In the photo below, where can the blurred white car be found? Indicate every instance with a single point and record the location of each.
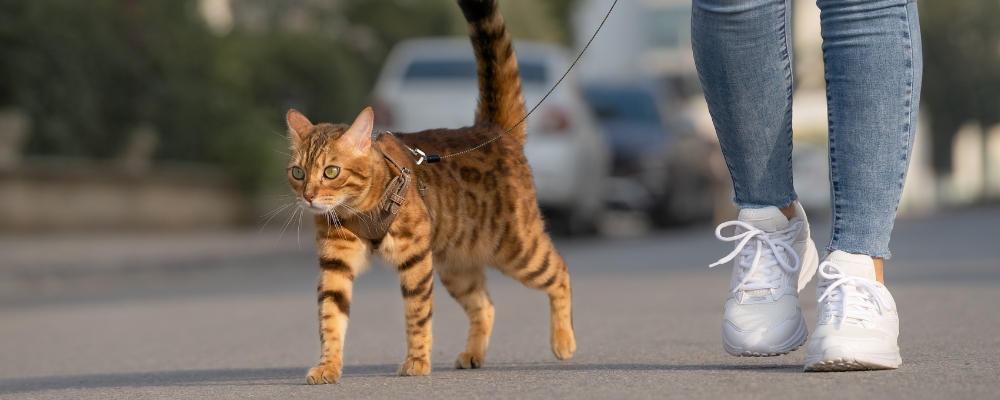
(431, 83)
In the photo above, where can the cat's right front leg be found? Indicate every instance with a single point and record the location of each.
(340, 259)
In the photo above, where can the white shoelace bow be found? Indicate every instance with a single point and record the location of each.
(776, 244)
(856, 298)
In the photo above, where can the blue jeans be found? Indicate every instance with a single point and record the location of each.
(873, 61)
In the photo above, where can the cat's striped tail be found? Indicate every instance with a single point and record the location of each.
(500, 100)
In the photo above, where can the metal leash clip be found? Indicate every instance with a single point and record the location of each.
(417, 152)
(430, 158)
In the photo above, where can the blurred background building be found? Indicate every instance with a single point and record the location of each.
(142, 114)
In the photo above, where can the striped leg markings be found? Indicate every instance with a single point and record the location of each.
(549, 273)
(468, 287)
(334, 297)
(560, 294)
(339, 260)
(416, 282)
(530, 277)
(413, 260)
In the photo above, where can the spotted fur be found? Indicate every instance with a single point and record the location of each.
(480, 211)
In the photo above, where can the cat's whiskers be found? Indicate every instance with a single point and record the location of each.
(287, 139)
(281, 152)
(355, 211)
(277, 210)
(351, 209)
(298, 232)
(329, 223)
(272, 214)
(288, 222)
(336, 222)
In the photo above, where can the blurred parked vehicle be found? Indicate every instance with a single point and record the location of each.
(431, 83)
(656, 170)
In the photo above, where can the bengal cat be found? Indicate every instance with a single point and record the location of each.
(478, 210)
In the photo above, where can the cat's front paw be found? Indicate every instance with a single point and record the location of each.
(468, 360)
(415, 367)
(563, 344)
(323, 374)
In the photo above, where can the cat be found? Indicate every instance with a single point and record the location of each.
(468, 212)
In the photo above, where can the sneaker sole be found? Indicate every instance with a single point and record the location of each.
(850, 364)
(799, 339)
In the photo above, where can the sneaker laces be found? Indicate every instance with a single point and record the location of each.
(764, 257)
(859, 299)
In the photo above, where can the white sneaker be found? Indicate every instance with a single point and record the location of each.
(775, 258)
(858, 324)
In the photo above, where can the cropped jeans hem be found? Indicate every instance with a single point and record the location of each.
(780, 204)
(883, 255)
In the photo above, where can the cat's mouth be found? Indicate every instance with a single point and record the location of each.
(318, 206)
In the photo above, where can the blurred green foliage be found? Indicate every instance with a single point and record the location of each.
(89, 72)
(961, 68)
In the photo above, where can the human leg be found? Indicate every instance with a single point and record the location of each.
(872, 53)
(743, 55)
(873, 64)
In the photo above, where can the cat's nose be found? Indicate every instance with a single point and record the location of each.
(309, 197)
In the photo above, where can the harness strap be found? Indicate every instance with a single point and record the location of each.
(375, 223)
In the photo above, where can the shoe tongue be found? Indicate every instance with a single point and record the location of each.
(768, 219)
(858, 265)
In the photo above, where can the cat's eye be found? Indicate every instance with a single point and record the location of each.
(331, 172)
(298, 173)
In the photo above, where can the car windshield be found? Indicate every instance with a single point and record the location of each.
(420, 70)
(618, 105)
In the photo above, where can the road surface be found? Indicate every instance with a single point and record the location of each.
(233, 315)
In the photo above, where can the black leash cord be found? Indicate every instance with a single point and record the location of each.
(433, 158)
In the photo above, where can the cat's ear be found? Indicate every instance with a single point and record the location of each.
(360, 133)
(298, 125)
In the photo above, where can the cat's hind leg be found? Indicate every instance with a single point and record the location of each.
(537, 265)
(468, 286)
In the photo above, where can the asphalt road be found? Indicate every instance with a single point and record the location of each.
(222, 315)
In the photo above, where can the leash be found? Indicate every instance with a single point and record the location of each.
(433, 158)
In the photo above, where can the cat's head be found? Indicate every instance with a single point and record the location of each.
(331, 163)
